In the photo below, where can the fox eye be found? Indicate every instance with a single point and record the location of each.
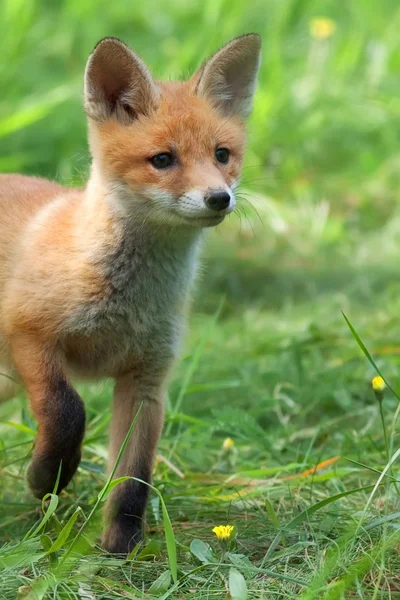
(222, 155)
(162, 161)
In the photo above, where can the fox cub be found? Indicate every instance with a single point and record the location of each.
(94, 281)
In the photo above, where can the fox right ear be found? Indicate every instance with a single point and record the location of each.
(117, 83)
(229, 77)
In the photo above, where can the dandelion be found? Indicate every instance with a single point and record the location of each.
(322, 28)
(223, 532)
(228, 443)
(378, 384)
(228, 454)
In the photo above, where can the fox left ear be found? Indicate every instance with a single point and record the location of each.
(229, 77)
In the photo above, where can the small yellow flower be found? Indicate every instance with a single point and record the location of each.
(322, 28)
(223, 532)
(228, 444)
(378, 384)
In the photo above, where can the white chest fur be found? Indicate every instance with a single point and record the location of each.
(140, 315)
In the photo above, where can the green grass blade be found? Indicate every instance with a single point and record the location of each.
(170, 540)
(48, 512)
(65, 532)
(103, 491)
(271, 513)
(382, 520)
(194, 363)
(378, 483)
(168, 531)
(20, 427)
(367, 354)
(305, 514)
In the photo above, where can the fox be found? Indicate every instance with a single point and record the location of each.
(95, 282)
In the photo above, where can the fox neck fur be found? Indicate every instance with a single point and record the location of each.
(116, 286)
(148, 270)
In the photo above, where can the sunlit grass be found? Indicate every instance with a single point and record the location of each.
(308, 488)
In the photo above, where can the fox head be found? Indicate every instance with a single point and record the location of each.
(171, 151)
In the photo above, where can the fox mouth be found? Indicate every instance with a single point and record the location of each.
(201, 218)
(205, 221)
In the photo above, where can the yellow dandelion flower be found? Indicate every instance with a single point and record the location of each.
(223, 532)
(322, 28)
(378, 384)
(228, 443)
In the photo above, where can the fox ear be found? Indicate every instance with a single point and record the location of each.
(229, 77)
(118, 83)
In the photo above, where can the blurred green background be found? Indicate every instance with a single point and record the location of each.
(279, 371)
(323, 152)
(322, 166)
(327, 113)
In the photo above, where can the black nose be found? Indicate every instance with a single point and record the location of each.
(217, 200)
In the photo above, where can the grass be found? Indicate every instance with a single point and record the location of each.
(269, 359)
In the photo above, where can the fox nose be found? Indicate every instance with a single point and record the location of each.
(217, 200)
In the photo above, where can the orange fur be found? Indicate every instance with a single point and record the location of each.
(94, 282)
(191, 126)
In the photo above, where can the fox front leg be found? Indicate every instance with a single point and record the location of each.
(127, 502)
(58, 409)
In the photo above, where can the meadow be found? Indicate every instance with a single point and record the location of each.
(272, 424)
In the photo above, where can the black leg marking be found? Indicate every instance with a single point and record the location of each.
(60, 440)
(126, 514)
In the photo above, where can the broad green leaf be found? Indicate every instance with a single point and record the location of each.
(201, 551)
(237, 585)
(239, 560)
(151, 550)
(161, 584)
(36, 591)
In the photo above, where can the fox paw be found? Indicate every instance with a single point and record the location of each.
(122, 535)
(43, 471)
